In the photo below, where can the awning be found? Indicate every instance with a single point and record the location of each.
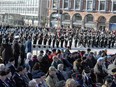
(90, 25)
(112, 26)
(54, 21)
(66, 22)
(77, 23)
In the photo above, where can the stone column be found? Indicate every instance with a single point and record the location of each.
(70, 23)
(48, 21)
(96, 25)
(107, 26)
(32, 20)
(83, 24)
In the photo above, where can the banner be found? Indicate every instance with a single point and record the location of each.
(112, 26)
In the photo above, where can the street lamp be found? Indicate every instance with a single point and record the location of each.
(39, 13)
(58, 11)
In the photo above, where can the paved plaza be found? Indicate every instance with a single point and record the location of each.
(109, 51)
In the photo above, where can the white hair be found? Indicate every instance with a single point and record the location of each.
(32, 83)
(29, 56)
(2, 66)
(59, 66)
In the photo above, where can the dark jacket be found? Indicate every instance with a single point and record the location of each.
(19, 80)
(2, 84)
(10, 82)
(6, 53)
(12, 68)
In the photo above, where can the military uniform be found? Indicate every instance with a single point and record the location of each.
(45, 40)
(49, 40)
(40, 40)
(54, 41)
(76, 40)
(66, 40)
(62, 40)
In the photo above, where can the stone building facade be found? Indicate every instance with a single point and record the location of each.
(95, 14)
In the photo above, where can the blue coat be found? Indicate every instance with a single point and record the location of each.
(28, 46)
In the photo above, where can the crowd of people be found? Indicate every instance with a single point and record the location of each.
(55, 68)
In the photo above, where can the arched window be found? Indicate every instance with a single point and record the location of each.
(77, 17)
(112, 24)
(113, 19)
(101, 19)
(88, 18)
(65, 17)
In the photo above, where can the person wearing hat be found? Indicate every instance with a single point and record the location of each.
(49, 40)
(16, 52)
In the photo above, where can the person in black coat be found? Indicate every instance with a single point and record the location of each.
(76, 40)
(11, 66)
(45, 62)
(45, 40)
(2, 79)
(9, 81)
(54, 41)
(113, 40)
(7, 52)
(0, 39)
(18, 78)
(49, 40)
(40, 40)
(22, 53)
(16, 52)
(35, 40)
(57, 42)
(66, 40)
(70, 41)
(62, 40)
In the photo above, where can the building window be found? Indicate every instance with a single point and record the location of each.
(77, 17)
(71, 4)
(89, 18)
(66, 4)
(55, 4)
(102, 5)
(77, 4)
(89, 5)
(114, 6)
